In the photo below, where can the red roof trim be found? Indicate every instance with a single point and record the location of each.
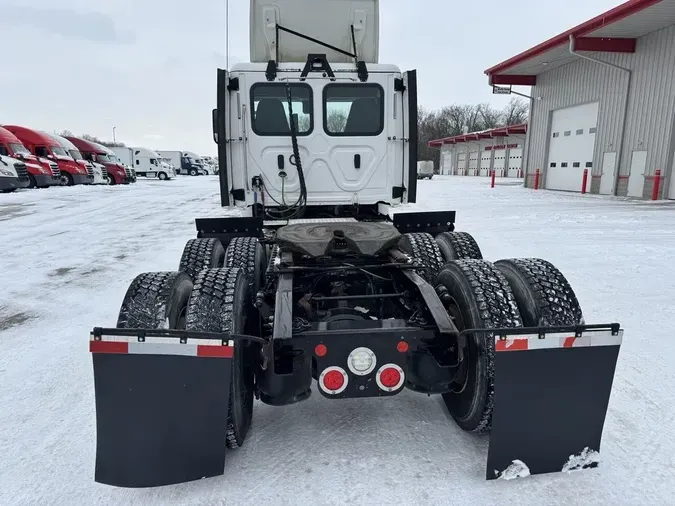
(488, 134)
(605, 44)
(611, 16)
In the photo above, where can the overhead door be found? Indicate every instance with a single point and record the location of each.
(473, 163)
(461, 164)
(571, 148)
(446, 162)
(499, 162)
(485, 162)
(515, 162)
(671, 189)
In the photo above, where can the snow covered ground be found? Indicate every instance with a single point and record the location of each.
(68, 255)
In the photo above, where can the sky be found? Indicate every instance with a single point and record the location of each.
(148, 67)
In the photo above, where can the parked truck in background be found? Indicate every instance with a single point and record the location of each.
(96, 169)
(173, 158)
(97, 153)
(44, 146)
(425, 169)
(42, 172)
(13, 174)
(191, 163)
(145, 162)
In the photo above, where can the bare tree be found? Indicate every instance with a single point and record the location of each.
(336, 121)
(516, 111)
(109, 144)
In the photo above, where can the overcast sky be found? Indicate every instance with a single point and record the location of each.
(147, 67)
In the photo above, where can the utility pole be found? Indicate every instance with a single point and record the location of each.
(114, 140)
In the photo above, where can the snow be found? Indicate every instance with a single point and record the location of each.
(586, 458)
(69, 254)
(517, 469)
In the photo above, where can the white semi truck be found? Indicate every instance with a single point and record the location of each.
(145, 162)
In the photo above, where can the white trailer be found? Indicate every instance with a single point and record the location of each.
(146, 163)
(425, 169)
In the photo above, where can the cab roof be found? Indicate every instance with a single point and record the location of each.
(86, 146)
(32, 136)
(7, 136)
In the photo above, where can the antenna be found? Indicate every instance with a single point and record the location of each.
(227, 35)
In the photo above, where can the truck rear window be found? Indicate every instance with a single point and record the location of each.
(351, 109)
(269, 112)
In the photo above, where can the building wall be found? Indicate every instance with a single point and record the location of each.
(649, 112)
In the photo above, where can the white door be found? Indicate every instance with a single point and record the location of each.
(446, 162)
(485, 162)
(636, 179)
(515, 162)
(608, 173)
(473, 163)
(499, 161)
(572, 145)
(461, 164)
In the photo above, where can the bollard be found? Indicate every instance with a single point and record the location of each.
(492, 182)
(536, 179)
(657, 183)
(584, 180)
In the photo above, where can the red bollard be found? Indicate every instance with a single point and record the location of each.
(536, 179)
(657, 183)
(492, 182)
(584, 180)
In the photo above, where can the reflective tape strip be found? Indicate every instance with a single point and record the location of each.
(161, 346)
(558, 340)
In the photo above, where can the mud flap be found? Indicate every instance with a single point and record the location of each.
(161, 407)
(550, 400)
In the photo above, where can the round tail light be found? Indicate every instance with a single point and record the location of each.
(333, 380)
(390, 377)
(361, 361)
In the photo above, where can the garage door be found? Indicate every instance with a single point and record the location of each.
(571, 148)
(446, 162)
(500, 162)
(485, 159)
(671, 190)
(473, 163)
(461, 164)
(515, 162)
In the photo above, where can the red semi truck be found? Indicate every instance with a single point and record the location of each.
(44, 146)
(117, 173)
(41, 171)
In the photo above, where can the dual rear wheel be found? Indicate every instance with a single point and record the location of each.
(210, 292)
(479, 294)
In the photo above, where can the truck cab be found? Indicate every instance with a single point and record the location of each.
(13, 174)
(145, 162)
(44, 146)
(191, 163)
(314, 118)
(97, 170)
(42, 172)
(94, 152)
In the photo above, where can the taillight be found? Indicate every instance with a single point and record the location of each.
(333, 380)
(390, 377)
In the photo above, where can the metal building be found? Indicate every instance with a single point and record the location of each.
(603, 99)
(477, 153)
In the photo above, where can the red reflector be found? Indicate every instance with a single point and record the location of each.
(108, 347)
(215, 351)
(402, 346)
(320, 350)
(390, 377)
(333, 380)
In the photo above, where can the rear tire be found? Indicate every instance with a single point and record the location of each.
(477, 296)
(156, 300)
(199, 254)
(544, 296)
(458, 246)
(249, 254)
(422, 246)
(220, 302)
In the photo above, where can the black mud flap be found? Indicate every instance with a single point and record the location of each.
(161, 407)
(550, 399)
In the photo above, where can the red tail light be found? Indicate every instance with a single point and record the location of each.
(390, 377)
(333, 380)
